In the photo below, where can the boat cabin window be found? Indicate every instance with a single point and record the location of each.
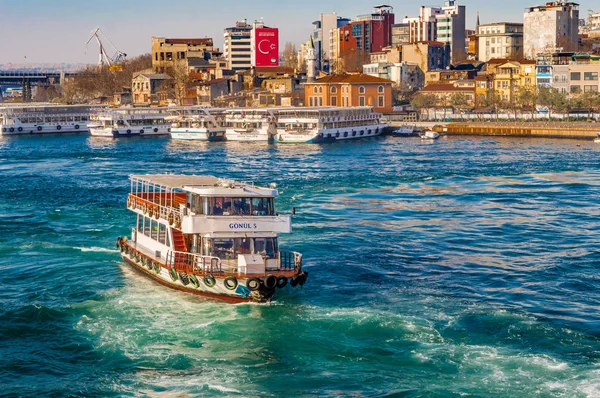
(230, 248)
(153, 229)
(239, 206)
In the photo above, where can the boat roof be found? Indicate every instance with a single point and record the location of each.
(178, 181)
(206, 185)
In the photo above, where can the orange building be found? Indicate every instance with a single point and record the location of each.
(347, 90)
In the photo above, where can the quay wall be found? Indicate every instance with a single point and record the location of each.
(563, 130)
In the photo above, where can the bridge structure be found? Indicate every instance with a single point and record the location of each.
(16, 77)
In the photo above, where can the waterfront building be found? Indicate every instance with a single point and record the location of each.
(450, 27)
(551, 27)
(552, 70)
(322, 39)
(508, 75)
(583, 74)
(446, 24)
(429, 55)
(406, 77)
(362, 36)
(151, 89)
(445, 91)
(400, 34)
(594, 22)
(169, 53)
(348, 90)
(500, 40)
(237, 49)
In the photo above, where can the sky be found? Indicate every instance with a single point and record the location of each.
(55, 31)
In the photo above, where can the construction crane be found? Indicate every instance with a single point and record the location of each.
(103, 58)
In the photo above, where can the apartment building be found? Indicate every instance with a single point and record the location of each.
(550, 27)
(237, 49)
(500, 40)
(167, 53)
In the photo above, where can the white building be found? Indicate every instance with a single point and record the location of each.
(237, 49)
(551, 27)
(322, 40)
(446, 24)
(500, 40)
(451, 29)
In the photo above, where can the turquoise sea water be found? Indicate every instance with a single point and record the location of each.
(464, 267)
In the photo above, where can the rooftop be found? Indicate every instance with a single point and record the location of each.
(437, 87)
(207, 41)
(352, 78)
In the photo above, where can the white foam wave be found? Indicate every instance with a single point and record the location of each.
(222, 388)
(97, 249)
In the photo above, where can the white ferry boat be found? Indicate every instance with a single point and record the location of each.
(251, 124)
(128, 122)
(327, 124)
(207, 124)
(43, 119)
(210, 237)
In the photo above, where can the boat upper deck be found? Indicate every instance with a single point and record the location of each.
(202, 185)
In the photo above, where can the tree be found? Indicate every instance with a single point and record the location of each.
(290, 56)
(590, 100)
(458, 100)
(493, 100)
(90, 83)
(181, 79)
(422, 101)
(352, 60)
(526, 97)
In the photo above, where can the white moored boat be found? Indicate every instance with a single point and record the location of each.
(204, 124)
(251, 124)
(430, 135)
(597, 139)
(209, 236)
(327, 124)
(128, 122)
(43, 119)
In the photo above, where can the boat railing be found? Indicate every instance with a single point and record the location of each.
(192, 263)
(157, 210)
(290, 260)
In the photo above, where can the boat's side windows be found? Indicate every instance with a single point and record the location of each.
(162, 234)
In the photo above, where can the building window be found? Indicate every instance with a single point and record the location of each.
(320, 101)
(575, 75)
(590, 76)
(333, 90)
(333, 101)
(361, 101)
(575, 89)
(320, 89)
(357, 30)
(380, 101)
(380, 89)
(315, 90)
(590, 89)
(361, 90)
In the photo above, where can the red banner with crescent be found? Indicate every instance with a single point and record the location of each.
(266, 46)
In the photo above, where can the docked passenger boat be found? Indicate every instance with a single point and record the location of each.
(210, 237)
(404, 131)
(205, 124)
(249, 124)
(128, 122)
(327, 124)
(43, 119)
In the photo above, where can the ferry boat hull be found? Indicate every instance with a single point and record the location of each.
(232, 135)
(150, 130)
(239, 294)
(197, 135)
(58, 128)
(331, 135)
